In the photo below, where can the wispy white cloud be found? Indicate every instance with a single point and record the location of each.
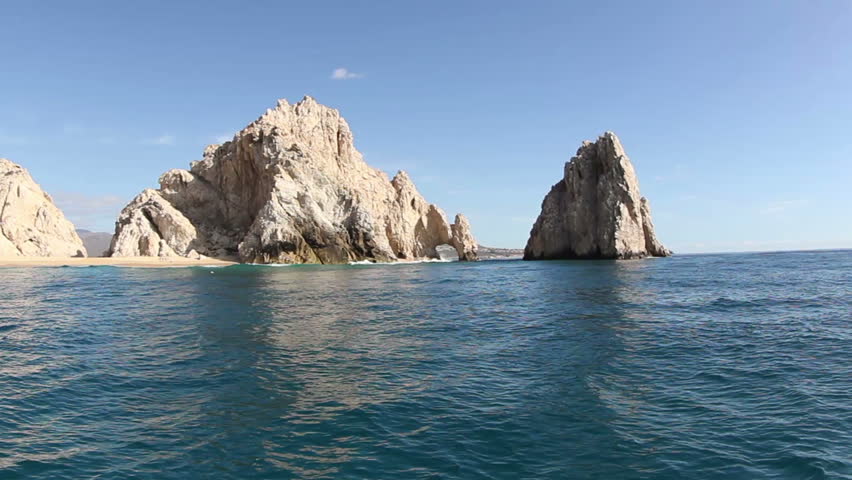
(225, 137)
(79, 201)
(759, 245)
(6, 139)
(90, 134)
(93, 212)
(677, 173)
(345, 74)
(774, 208)
(430, 179)
(72, 129)
(164, 139)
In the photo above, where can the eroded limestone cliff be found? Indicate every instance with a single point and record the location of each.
(289, 188)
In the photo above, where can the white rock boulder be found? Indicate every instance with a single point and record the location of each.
(30, 224)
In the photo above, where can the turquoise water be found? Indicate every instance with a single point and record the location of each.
(709, 366)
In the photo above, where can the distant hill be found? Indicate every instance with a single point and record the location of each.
(97, 243)
(485, 253)
(491, 253)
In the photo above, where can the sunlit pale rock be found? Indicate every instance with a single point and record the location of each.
(30, 224)
(463, 240)
(289, 188)
(596, 210)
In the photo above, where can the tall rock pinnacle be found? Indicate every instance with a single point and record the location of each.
(596, 210)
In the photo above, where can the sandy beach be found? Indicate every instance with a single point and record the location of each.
(145, 262)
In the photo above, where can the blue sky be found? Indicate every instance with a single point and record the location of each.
(737, 115)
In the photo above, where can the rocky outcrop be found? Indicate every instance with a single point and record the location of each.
(151, 227)
(289, 188)
(462, 239)
(596, 210)
(30, 224)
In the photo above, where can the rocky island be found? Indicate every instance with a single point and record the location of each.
(288, 188)
(595, 210)
(30, 224)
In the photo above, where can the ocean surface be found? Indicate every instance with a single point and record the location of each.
(735, 366)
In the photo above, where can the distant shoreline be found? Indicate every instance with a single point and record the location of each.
(794, 250)
(166, 262)
(143, 262)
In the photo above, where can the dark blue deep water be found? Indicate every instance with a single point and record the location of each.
(731, 366)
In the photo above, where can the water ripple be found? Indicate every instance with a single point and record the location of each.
(714, 366)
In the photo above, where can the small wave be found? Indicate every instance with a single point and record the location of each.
(402, 262)
(425, 260)
(363, 262)
(726, 302)
(134, 267)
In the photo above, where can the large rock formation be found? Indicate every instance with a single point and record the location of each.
(289, 188)
(596, 210)
(30, 224)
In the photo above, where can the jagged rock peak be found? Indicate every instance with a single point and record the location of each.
(289, 188)
(595, 210)
(30, 224)
(278, 115)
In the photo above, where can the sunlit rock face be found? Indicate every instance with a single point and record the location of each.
(595, 210)
(289, 188)
(30, 224)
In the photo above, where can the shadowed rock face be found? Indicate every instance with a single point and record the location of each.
(30, 224)
(596, 210)
(289, 188)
